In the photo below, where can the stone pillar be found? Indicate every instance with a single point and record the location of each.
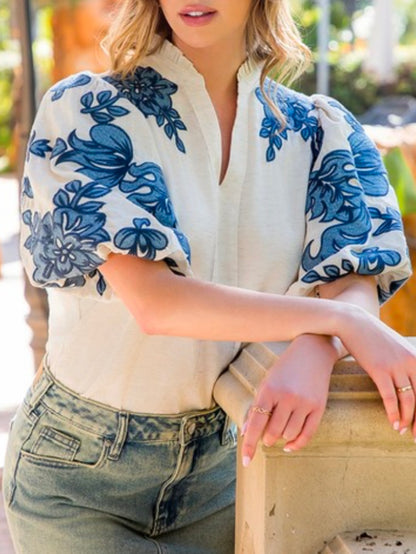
(356, 473)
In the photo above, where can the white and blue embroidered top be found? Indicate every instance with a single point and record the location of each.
(132, 166)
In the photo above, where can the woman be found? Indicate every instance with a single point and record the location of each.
(185, 151)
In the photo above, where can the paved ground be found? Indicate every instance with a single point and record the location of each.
(16, 365)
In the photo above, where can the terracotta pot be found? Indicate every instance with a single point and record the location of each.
(400, 312)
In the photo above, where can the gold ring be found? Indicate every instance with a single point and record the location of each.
(262, 411)
(404, 389)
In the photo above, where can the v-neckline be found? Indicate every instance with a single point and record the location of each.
(180, 69)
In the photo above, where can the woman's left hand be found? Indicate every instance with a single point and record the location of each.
(295, 392)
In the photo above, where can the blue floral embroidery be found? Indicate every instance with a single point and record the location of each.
(141, 239)
(370, 169)
(63, 242)
(316, 145)
(71, 82)
(392, 220)
(148, 189)
(336, 197)
(105, 158)
(27, 188)
(331, 272)
(296, 109)
(372, 261)
(332, 197)
(37, 147)
(60, 146)
(57, 251)
(394, 286)
(151, 94)
(105, 109)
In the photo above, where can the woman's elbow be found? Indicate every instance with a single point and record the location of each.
(153, 320)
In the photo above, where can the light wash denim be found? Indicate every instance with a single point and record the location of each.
(83, 478)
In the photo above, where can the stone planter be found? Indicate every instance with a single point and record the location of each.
(355, 474)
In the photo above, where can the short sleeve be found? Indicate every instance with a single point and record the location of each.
(89, 190)
(353, 223)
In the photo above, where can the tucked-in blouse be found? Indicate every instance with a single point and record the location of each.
(133, 167)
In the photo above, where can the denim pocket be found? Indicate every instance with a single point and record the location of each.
(59, 442)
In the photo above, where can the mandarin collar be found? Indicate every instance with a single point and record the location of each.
(171, 58)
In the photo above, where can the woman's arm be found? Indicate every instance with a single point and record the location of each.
(296, 386)
(164, 303)
(167, 304)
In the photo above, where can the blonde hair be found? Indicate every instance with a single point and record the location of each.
(139, 28)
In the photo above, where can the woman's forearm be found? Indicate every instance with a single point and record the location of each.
(359, 290)
(166, 304)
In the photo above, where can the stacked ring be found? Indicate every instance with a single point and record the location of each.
(260, 410)
(404, 389)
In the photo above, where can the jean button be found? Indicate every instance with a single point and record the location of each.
(191, 428)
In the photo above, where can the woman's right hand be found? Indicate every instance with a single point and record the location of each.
(388, 358)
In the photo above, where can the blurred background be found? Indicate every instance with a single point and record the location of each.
(364, 55)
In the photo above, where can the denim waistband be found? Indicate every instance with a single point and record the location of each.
(109, 422)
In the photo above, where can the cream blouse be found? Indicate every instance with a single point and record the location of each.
(132, 166)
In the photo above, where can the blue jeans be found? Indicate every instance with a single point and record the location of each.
(81, 477)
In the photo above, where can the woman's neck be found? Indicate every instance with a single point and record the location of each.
(218, 64)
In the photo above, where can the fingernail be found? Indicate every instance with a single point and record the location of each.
(286, 449)
(403, 431)
(244, 428)
(396, 425)
(246, 461)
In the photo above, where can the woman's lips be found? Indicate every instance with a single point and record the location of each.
(195, 17)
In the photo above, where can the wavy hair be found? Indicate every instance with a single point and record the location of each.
(139, 28)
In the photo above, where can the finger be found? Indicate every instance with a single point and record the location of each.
(413, 383)
(309, 429)
(295, 425)
(276, 424)
(407, 404)
(256, 424)
(388, 394)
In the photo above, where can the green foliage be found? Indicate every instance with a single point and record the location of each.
(5, 108)
(406, 11)
(355, 88)
(402, 180)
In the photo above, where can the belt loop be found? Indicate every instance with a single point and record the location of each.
(120, 438)
(227, 433)
(39, 389)
(182, 431)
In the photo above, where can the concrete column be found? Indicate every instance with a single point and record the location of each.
(356, 473)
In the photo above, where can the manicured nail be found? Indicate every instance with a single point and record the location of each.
(244, 428)
(403, 431)
(286, 449)
(396, 425)
(246, 461)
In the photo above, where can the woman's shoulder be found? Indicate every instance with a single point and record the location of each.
(83, 81)
(94, 96)
(289, 101)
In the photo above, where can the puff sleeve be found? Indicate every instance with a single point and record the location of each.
(89, 190)
(353, 223)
